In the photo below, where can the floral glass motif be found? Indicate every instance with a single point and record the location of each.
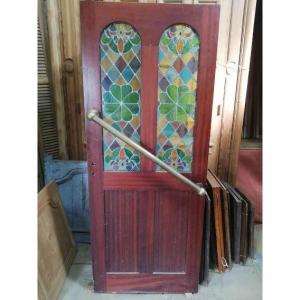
(177, 83)
(120, 83)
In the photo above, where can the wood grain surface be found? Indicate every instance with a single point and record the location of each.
(147, 227)
(56, 247)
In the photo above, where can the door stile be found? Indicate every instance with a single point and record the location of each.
(206, 75)
(92, 96)
(148, 93)
(195, 233)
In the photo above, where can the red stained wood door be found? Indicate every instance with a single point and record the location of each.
(146, 226)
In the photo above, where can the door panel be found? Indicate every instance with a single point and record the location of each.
(121, 231)
(171, 212)
(146, 226)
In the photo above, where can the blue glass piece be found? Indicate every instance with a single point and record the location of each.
(185, 75)
(113, 74)
(168, 130)
(171, 75)
(128, 74)
(106, 83)
(135, 64)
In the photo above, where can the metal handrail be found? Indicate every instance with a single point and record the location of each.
(93, 116)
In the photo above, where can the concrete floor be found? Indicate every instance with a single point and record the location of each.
(241, 283)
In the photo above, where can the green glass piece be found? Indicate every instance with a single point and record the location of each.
(105, 39)
(116, 91)
(107, 159)
(108, 98)
(136, 40)
(116, 116)
(177, 103)
(132, 98)
(136, 158)
(126, 114)
(172, 92)
(115, 153)
(186, 99)
(134, 108)
(188, 159)
(183, 89)
(127, 47)
(110, 108)
(128, 152)
(181, 115)
(164, 98)
(165, 108)
(113, 46)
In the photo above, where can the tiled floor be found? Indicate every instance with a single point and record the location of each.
(241, 283)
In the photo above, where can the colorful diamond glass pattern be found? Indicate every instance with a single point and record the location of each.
(177, 82)
(120, 85)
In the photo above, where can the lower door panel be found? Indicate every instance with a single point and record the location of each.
(148, 240)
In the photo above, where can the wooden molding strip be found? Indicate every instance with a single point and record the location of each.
(56, 75)
(242, 84)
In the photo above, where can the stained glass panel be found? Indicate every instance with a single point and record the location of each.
(120, 83)
(177, 82)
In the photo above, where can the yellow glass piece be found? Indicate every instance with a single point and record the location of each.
(135, 121)
(105, 63)
(192, 84)
(179, 45)
(168, 60)
(161, 139)
(181, 145)
(175, 139)
(189, 122)
(135, 83)
(187, 57)
(128, 56)
(164, 66)
(113, 56)
(177, 81)
(120, 80)
(162, 122)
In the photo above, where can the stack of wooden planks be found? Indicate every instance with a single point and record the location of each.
(228, 236)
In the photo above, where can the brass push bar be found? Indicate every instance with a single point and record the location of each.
(93, 116)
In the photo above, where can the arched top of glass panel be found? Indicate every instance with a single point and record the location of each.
(120, 38)
(177, 84)
(180, 39)
(120, 64)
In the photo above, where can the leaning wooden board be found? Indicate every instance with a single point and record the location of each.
(235, 223)
(250, 225)
(244, 224)
(226, 221)
(218, 220)
(56, 247)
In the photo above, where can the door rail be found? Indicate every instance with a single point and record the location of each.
(197, 187)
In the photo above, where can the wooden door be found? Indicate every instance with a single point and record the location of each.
(149, 70)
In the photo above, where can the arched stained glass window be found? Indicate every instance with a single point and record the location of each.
(120, 64)
(177, 82)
